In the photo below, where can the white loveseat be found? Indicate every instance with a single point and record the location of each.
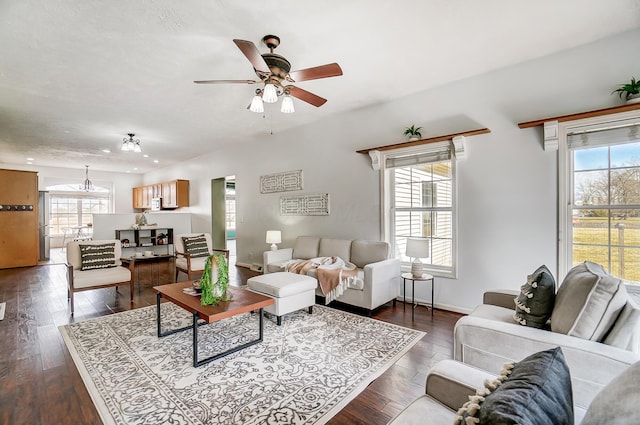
(490, 336)
(380, 274)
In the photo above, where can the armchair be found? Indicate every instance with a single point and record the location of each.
(110, 272)
(189, 263)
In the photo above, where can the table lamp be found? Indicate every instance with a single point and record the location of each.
(417, 248)
(274, 237)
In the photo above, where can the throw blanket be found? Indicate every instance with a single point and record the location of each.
(334, 274)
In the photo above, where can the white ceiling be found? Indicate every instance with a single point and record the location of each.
(77, 76)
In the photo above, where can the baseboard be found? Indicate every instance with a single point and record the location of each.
(448, 307)
(256, 267)
(245, 265)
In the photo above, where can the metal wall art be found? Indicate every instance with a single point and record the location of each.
(281, 182)
(311, 204)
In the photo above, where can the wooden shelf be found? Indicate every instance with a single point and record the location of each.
(582, 115)
(426, 141)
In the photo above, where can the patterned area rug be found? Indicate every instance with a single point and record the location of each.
(304, 372)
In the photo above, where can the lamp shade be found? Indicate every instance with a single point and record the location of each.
(274, 236)
(417, 248)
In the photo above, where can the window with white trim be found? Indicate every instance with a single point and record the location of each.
(69, 207)
(420, 202)
(600, 184)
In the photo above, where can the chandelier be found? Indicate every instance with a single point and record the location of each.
(87, 186)
(131, 145)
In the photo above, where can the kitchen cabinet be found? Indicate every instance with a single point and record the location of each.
(137, 197)
(175, 194)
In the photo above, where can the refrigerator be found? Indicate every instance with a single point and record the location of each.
(43, 226)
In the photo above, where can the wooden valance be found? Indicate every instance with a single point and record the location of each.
(425, 141)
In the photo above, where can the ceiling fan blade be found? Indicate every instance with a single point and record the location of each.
(306, 96)
(225, 81)
(323, 71)
(251, 52)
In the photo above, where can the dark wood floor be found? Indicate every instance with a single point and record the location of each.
(39, 383)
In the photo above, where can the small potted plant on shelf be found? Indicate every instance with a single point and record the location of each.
(413, 132)
(630, 91)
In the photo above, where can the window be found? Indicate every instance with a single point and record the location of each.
(420, 203)
(68, 207)
(601, 175)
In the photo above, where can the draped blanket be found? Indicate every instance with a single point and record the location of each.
(334, 274)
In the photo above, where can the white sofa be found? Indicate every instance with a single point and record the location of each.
(593, 321)
(380, 274)
(489, 336)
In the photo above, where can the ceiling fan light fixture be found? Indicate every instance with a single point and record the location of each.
(256, 104)
(287, 105)
(137, 148)
(270, 94)
(125, 146)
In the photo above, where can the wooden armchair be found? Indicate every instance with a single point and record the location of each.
(188, 263)
(113, 274)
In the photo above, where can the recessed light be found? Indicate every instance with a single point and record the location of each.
(29, 162)
(30, 159)
(106, 151)
(135, 169)
(156, 161)
(128, 171)
(145, 155)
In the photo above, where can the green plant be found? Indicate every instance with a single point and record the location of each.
(628, 89)
(413, 131)
(214, 292)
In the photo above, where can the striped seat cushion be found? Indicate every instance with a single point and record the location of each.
(97, 256)
(196, 246)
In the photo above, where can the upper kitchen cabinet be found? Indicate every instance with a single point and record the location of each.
(175, 194)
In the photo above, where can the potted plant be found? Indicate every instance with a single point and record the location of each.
(630, 91)
(413, 132)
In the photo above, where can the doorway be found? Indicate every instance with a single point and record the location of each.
(223, 216)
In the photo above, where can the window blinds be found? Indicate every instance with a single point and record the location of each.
(435, 152)
(624, 132)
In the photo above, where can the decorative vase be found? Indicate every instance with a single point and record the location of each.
(413, 138)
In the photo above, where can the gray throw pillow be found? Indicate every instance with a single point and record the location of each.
(588, 302)
(535, 303)
(534, 391)
(617, 403)
(100, 256)
(196, 246)
(625, 333)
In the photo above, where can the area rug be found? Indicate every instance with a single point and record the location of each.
(304, 372)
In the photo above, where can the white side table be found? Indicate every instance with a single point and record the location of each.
(423, 278)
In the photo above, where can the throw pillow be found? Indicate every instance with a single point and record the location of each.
(97, 256)
(625, 333)
(534, 391)
(534, 305)
(196, 246)
(588, 302)
(617, 403)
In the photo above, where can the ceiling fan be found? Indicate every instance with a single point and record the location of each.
(274, 71)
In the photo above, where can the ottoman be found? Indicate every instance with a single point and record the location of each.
(290, 291)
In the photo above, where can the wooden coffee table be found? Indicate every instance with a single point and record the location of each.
(242, 301)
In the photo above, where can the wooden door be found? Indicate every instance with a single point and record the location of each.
(19, 235)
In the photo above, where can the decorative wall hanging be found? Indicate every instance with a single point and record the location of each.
(281, 182)
(311, 204)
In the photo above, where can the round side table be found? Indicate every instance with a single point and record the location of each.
(408, 276)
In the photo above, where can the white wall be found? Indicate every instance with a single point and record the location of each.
(507, 186)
